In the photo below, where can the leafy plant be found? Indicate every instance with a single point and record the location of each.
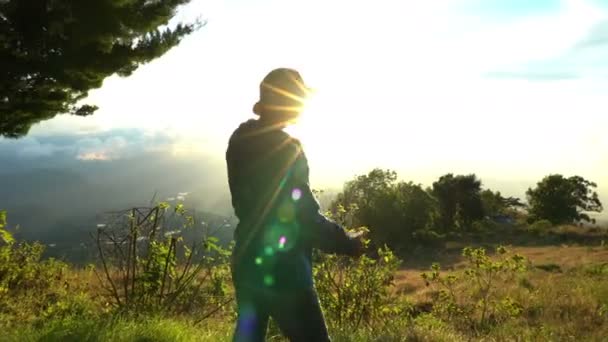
(28, 283)
(357, 291)
(148, 267)
(540, 226)
(479, 280)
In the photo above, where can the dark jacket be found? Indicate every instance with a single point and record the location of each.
(279, 218)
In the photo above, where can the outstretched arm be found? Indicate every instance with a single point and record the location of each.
(322, 232)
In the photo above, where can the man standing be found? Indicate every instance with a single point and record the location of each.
(279, 219)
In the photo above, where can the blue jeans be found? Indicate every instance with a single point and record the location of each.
(297, 314)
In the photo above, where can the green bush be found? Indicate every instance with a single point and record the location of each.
(357, 291)
(29, 285)
(471, 300)
(429, 238)
(484, 226)
(161, 274)
(540, 226)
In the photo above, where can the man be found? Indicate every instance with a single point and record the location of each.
(279, 219)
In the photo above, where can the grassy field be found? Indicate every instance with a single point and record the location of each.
(560, 295)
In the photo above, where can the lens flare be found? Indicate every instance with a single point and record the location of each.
(282, 242)
(296, 194)
(268, 280)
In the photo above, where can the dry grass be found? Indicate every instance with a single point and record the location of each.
(564, 293)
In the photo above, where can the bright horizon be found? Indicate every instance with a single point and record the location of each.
(504, 89)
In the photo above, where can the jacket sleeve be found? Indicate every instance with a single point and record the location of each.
(321, 232)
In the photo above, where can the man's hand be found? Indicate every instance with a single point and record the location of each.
(359, 242)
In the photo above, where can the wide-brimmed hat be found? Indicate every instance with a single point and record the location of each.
(282, 91)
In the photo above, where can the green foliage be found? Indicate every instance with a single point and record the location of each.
(160, 274)
(428, 237)
(150, 329)
(392, 210)
(77, 305)
(485, 225)
(30, 287)
(540, 226)
(563, 200)
(22, 269)
(480, 279)
(357, 292)
(494, 204)
(5, 236)
(597, 270)
(459, 199)
(54, 52)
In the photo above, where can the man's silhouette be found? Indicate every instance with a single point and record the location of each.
(279, 219)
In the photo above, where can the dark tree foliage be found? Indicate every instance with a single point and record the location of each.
(563, 200)
(495, 204)
(393, 211)
(52, 52)
(459, 199)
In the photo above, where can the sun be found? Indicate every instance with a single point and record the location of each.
(331, 129)
(318, 121)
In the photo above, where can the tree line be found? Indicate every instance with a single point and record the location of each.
(400, 212)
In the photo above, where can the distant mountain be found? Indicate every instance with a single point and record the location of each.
(58, 200)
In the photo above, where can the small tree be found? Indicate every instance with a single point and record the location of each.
(392, 210)
(563, 200)
(495, 204)
(472, 299)
(459, 200)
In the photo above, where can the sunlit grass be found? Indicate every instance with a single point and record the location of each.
(78, 329)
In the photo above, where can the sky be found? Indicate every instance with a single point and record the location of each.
(511, 90)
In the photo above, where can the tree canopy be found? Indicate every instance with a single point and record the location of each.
(563, 200)
(52, 52)
(393, 211)
(494, 204)
(459, 200)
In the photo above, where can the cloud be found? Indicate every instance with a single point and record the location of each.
(115, 147)
(93, 156)
(100, 146)
(534, 75)
(511, 9)
(597, 38)
(31, 148)
(584, 59)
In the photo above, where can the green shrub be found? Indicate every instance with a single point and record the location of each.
(161, 274)
(471, 299)
(429, 238)
(77, 305)
(597, 270)
(541, 226)
(357, 291)
(29, 284)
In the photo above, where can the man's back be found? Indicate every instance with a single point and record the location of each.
(260, 162)
(266, 167)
